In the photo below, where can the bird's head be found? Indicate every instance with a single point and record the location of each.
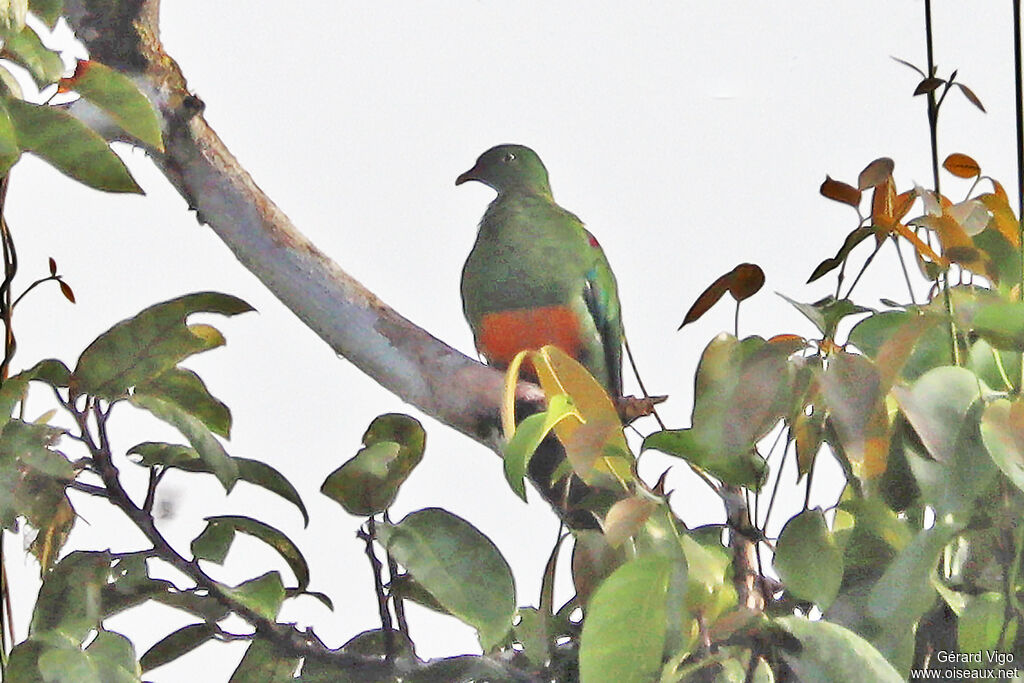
(509, 167)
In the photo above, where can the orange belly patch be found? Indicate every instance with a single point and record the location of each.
(504, 334)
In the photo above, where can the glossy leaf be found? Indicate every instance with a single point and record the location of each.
(834, 654)
(269, 535)
(827, 313)
(936, 406)
(119, 97)
(255, 472)
(70, 146)
(152, 342)
(174, 645)
(459, 566)
(839, 191)
(10, 151)
(368, 483)
(263, 595)
(527, 438)
(624, 632)
(962, 166)
(594, 443)
(808, 559)
(185, 389)
(25, 48)
(202, 439)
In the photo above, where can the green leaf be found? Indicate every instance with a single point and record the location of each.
(808, 559)
(149, 344)
(184, 388)
(181, 642)
(51, 371)
(263, 475)
(67, 600)
(120, 98)
(624, 632)
(12, 17)
(213, 543)
(1002, 431)
(833, 654)
(43, 64)
(528, 436)
(68, 665)
(981, 624)
(368, 483)
(29, 443)
(905, 591)
(269, 535)
(459, 566)
(857, 236)
(201, 438)
(10, 152)
(262, 595)
(743, 388)
(827, 313)
(47, 10)
(254, 472)
(1001, 323)
(937, 405)
(265, 663)
(70, 146)
(114, 658)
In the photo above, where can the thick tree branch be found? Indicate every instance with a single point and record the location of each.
(397, 354)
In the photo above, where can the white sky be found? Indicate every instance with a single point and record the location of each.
(689, 136)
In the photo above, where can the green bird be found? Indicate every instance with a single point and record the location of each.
(535, 275)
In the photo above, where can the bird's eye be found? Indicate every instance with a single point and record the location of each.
(509, 156)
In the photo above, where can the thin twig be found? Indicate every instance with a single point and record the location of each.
(903, 266)
(397, 601)
(376, 568)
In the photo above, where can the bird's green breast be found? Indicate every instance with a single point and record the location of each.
(529, 253)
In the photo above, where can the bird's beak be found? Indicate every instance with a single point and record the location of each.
(467, 176)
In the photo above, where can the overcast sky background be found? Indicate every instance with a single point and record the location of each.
(688, 136)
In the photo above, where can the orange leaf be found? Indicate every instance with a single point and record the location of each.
(903, 203)
(875, 173)
(1003, 219)
(997, 188)
(961, 165)
(883, 203)
(746, 280)
(920, 247)
(839, 191)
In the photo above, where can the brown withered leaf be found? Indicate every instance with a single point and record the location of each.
(626, 518)
(961, 165)
(928, 85)
(742, 282)
(65, 289)
(971, 97)
(839, 191)
(875, 173)
(746, 280)
(53, 266)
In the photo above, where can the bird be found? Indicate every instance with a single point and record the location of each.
(535, 275)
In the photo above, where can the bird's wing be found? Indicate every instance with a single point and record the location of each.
(602, 298)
